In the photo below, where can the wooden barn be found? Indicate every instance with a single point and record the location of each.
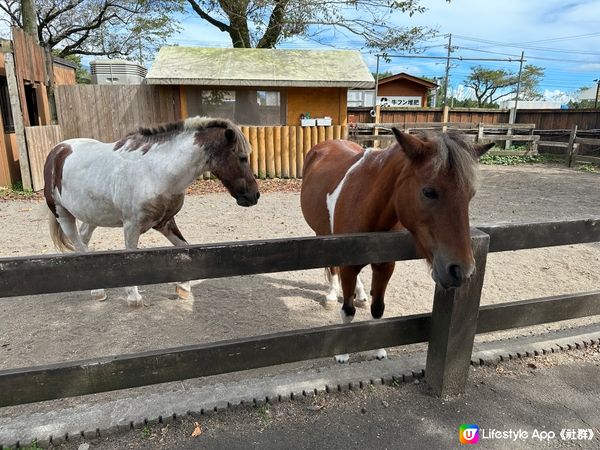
(262, 86)
(24, 104)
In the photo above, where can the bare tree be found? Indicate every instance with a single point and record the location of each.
(126, 28)
(265, 23)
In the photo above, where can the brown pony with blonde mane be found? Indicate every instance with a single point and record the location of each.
(421, 183)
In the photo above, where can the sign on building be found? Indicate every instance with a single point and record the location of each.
(399, 101)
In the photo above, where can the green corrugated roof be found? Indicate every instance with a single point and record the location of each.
(260, 67)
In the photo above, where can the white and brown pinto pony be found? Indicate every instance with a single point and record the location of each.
(421, 183)
(139, 182)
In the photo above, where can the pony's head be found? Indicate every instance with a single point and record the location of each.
(438, 182)
(228, 153)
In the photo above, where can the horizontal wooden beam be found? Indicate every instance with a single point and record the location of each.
(507, 237)
(505, 316)
(32, 384)
(119, 372)
(74, 272)
(588, 141)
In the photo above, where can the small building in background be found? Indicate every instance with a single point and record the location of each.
(117, 71)
(396, 91)
(64, 72)
(262, 86)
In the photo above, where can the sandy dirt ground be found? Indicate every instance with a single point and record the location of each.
(58, 327)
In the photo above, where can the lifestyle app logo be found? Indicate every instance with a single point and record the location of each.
(468, 433)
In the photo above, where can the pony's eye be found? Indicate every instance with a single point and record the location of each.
(430, 193)
(243, 159)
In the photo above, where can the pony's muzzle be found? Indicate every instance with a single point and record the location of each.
(247, 198)
(451, 275)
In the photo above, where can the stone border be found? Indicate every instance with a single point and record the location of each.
(88, 419)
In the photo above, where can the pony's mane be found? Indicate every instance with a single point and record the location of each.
(144, 137)
(455, 153)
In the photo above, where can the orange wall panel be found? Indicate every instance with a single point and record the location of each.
(319, 102)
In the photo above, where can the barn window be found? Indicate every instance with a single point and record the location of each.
(243, 106)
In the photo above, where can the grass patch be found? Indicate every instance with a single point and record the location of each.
(16, 192)
(514, 160)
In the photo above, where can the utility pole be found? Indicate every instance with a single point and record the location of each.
(519, 80)
(29, 18)
(512, 115)
(447, 69)
(597, 80)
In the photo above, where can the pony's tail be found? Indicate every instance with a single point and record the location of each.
(329, 273)
(61, 242)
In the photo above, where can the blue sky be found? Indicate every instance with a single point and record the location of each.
(561, 36)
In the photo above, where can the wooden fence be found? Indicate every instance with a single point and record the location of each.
(107, 112)
(40, 140)
(278, 152)
(544, 119)
(450, 329)
(376, 134)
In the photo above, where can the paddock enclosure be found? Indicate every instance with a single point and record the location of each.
(56, 328)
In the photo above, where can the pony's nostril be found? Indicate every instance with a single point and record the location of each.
(455, 272)
(257, 195)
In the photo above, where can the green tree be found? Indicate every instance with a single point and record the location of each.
(131, 29)
(265, 23)
(491, 85)
(82, 75)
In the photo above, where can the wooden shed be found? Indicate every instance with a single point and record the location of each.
(24, 103)
(262, 86)
(403, 89)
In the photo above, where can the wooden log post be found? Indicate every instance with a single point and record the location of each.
(511, 120)
(299, 146)
(571, 147)
(285, 152)
(329, 133)
(277, 143)
(453, 327)
(293, 142)
(321, 135)
(270, 152)
(376, 129)
(254, 154)
(15, 106)
(262, 153)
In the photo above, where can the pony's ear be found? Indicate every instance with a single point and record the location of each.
(414, 147)
(481, 149)
(230, 135)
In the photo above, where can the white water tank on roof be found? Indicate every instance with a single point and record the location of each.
(117, 71)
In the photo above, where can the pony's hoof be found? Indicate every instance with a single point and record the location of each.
(342, 359)
(99, 295)
(182, 292)
(380, 354)
(329, 305)
(135, 303)
(360, 302)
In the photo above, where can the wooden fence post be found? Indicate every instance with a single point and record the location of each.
(15, 106)
(571, 147)
(299, 150)
(480, 133)
(254, 157)
(293, 141)
(270, 152)
(262, 153)
(453, 327)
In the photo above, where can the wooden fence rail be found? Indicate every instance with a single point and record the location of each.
(450, 329)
